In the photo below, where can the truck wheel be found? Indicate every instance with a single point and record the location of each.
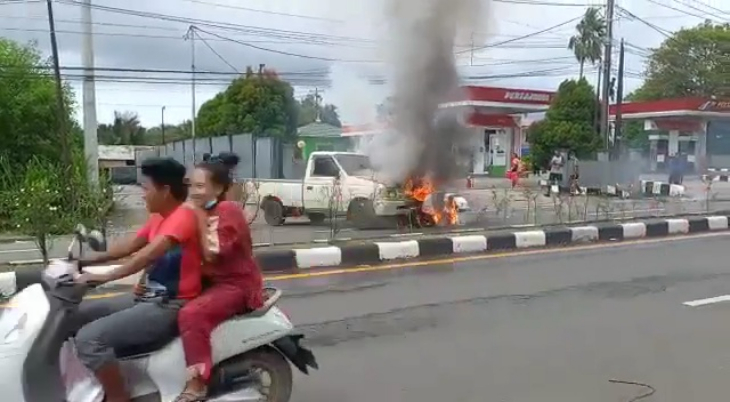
(316, 218)
(361, 213)
(273, 212)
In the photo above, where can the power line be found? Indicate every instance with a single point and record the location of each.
(695, 8)
(305, 73)
(220, 25)
(176, 30)
(726, 12)
(281, 51)
(195, 32)
(677, 9)
(523, 36)
(628, 14)
(545, 3)
(304, 80)
(253, 10)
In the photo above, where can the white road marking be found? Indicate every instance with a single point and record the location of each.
(704, 302)
(29, 250)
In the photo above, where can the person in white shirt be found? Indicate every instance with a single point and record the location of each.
(556, 168)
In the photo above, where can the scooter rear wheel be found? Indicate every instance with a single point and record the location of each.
(270, 363)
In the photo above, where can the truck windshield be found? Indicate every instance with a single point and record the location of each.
(355, 165)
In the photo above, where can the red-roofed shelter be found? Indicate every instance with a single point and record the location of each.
(697, 127)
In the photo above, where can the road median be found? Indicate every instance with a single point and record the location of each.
(368, 253)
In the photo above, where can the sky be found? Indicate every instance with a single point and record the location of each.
(143, 62)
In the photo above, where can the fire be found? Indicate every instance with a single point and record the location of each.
(422, 191)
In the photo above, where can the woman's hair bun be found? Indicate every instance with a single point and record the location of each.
(229, 159)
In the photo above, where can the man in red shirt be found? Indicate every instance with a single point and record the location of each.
(168, 245)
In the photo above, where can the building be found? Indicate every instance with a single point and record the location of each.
(498, 118)
(120, 162)
(696, 127)
(320, 136)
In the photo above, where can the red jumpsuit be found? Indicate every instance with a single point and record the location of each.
(236, 285)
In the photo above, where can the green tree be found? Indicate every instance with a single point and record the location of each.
(692, 62)
(29, 121)
(126, 129)
(173, 132)
(37, 205)
(310, 108)
(568, 124)
(257, 103)
(587, 43)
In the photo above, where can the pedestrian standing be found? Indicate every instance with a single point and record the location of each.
(556, 168)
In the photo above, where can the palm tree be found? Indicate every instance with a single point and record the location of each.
(587, 44)
(126, 129)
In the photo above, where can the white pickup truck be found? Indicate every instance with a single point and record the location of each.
(335, 183)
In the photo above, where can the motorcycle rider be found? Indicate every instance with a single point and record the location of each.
(169, 245)
(235, 281)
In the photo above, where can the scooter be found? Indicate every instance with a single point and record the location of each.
(252, 352)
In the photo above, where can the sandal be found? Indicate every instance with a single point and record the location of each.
(190, 397)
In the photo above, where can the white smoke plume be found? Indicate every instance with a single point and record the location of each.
(354, 96)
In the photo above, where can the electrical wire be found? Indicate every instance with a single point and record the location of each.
(548, 29)
(304, 81)
(677, 9)
(219, 25)
(281, 52)
(726, 12)
(694, 7)
(253, 10)
(631, 16)
(650, 392)
(546, 3)
(223, 59)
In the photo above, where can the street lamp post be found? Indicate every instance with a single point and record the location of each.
(163, 125)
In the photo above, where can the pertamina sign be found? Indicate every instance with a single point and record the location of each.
(716, 105)
(527, 96)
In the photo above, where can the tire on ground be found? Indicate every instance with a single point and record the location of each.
(273, 212)
(361, 213)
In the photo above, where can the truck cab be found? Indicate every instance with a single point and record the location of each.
(334, 184)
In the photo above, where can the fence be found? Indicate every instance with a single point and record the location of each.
(261, 157)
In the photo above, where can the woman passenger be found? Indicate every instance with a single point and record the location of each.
(235, 281)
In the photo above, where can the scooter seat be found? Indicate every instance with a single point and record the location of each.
(271, 296)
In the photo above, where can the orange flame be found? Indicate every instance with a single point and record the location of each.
(420, 190)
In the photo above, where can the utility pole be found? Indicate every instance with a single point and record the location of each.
(318, 115)
(617, 139)
(62, 123)
(163, 125)
(91, 141)
(610, 8)
(190, 35)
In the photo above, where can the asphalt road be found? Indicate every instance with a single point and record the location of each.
(550, 326)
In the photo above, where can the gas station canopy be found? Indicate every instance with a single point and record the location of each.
(492, 106)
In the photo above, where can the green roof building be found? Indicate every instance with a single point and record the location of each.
(319, 136)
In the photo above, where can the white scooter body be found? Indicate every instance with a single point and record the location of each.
(158, 376)
(163, 373)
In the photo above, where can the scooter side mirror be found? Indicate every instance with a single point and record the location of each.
(81, 232)
(96, 241)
